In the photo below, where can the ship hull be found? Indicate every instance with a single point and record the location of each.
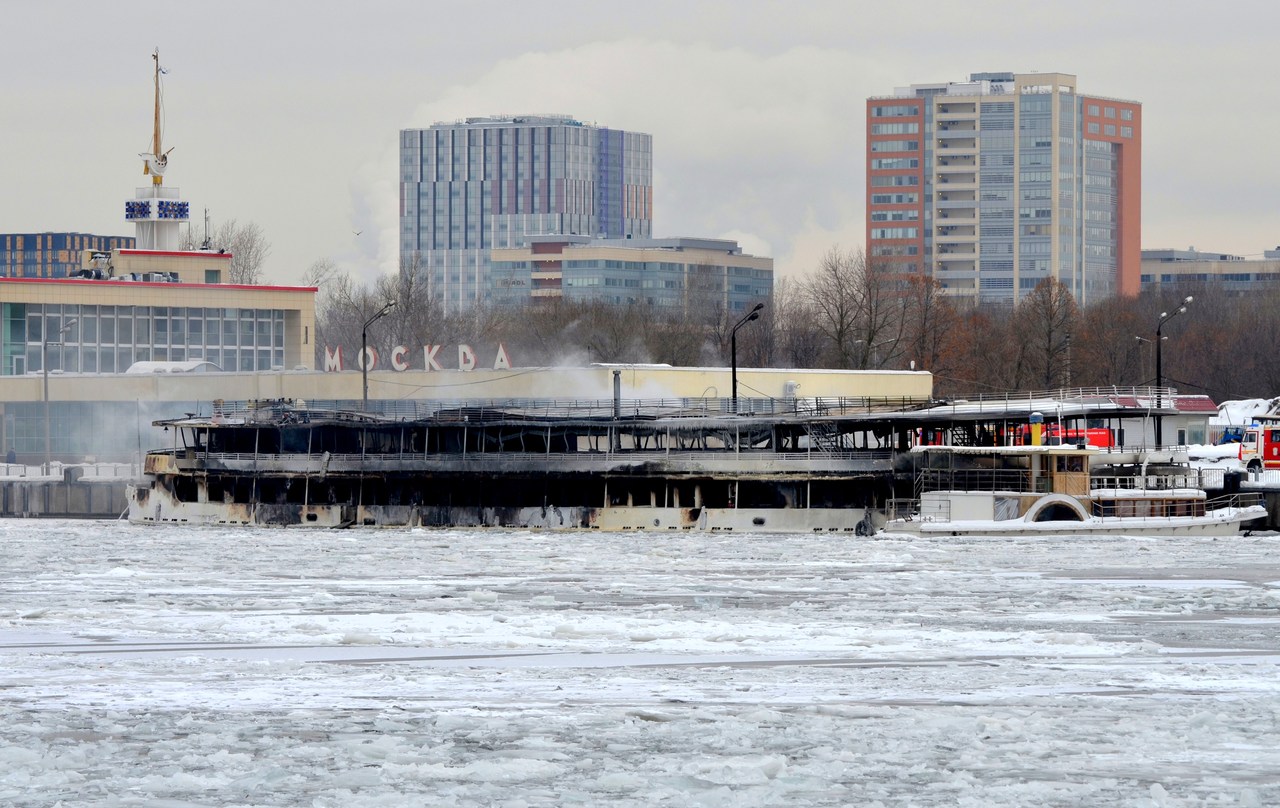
(153, 505)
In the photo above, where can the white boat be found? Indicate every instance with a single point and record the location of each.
(1059, 490)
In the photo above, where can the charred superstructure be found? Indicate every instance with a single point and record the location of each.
(779, 465)
(677, 465)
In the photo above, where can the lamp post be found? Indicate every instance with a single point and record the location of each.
(364, 363)
(875, 354)
(1164, 318)
(754, 314)
(44, 367)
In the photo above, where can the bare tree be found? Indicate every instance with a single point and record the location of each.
(984, 354)
(247, 245)
(1044, 321)
(858, 307)
(931, 320)
(832, 294)
(1111, 346)
(882, 301)
(799, 340)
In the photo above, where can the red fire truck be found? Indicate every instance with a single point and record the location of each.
(1260, 447)
(1053, 435)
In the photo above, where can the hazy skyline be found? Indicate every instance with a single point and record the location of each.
(287, 114)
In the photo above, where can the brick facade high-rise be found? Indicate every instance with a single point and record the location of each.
(990, 186)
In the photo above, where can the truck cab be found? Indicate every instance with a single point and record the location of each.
(1260, 447)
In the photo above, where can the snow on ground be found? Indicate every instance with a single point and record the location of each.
(1244, 411)
(200, 667)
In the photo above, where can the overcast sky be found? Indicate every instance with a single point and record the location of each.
(287, 113)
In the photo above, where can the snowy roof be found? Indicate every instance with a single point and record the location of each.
(189, 366)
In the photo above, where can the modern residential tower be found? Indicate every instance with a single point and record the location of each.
(468, 187)
(990, 186)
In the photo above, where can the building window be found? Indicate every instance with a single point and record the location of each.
(1109, 130)
(894, 180)
(1094, 128)
(895, 145)
(894, 232)
(909, 128)
(1126, 131)
(895, 215)
(895, 162)
(1109, 112)
(1093, 109)
(895, 199)
(895, 111)
(213, 276)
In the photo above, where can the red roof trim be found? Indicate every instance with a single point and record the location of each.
(174, 253)
(163, 285)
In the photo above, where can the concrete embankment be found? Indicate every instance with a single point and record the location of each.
(86, 490)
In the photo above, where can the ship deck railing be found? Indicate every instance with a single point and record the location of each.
(909, 509)
(1020, 481)
(710, 460)
(481, 410)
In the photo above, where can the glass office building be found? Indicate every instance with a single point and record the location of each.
(484, 183)
(673, 273)
(992, 185)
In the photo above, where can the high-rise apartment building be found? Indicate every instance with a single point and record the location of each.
(992, 185)
(466, 188)
(51, 255)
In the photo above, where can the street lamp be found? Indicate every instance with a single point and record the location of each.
(875, 355)
(754, 314)
(1142, 359)
(364, 362)
(44, 366)
(1164, 318)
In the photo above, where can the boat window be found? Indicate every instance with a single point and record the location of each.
(1070, 463)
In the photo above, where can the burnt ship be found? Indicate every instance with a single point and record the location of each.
(811, 465)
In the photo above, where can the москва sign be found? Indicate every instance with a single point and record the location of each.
(368, 360)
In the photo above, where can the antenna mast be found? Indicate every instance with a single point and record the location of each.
(157, 212)
(155, 136)
(155, 162)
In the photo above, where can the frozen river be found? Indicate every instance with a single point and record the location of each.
(179, 667)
